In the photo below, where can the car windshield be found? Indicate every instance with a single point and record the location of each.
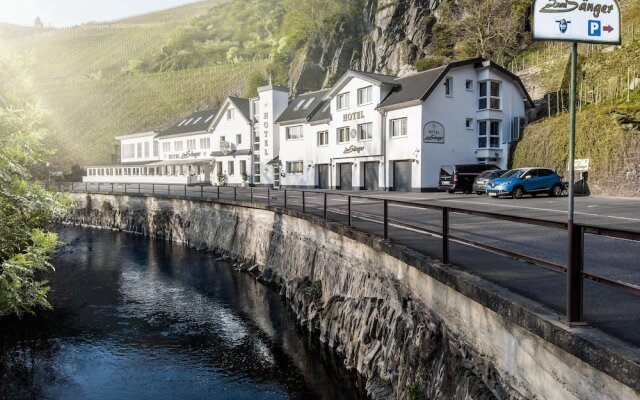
(514, 173)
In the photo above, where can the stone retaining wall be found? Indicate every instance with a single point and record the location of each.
(412, 327)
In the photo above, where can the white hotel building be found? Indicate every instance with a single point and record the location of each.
(369, 131)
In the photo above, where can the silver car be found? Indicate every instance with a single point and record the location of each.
(481, 182)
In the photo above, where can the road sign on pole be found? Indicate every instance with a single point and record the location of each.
(585, 21)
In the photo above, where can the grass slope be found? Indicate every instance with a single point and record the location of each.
(77, 75)
(607, 132)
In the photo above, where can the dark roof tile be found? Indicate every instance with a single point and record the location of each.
(196, 122)
(302, 107)
(243, 105)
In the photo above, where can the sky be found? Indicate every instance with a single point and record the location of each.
(60, 13)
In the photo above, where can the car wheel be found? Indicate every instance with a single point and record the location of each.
(450, 191)
(518, 192)
(479, 193)
(534, 194)
(467, 190)
(556, 191)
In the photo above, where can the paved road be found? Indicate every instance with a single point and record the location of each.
(606, 308)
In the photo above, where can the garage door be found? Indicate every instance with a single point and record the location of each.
(402, 176)
(371, 175)
(323, 176)
(345, 176)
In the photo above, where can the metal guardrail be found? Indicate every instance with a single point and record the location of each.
(575, 291)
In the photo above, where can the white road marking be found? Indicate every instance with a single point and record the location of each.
(550, 210)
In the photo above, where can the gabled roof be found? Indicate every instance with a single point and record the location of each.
(199, 121)
(302, 107)
(414, 87)
(419, 86)
(376, 79)
(243, 105)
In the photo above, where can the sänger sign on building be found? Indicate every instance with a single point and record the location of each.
(590, 21)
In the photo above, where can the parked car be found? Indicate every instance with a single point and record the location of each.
(460, 177)
(521, 181)
(481, 182)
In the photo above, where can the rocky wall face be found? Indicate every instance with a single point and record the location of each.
(360, 311)
(387, 36)
(408, 334)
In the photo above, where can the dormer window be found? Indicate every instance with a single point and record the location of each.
(308, 103)
(300, 103)
(342, 101)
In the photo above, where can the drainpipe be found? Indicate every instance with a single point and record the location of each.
(330, 173)
(383, 142)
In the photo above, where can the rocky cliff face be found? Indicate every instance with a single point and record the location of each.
(387, 36)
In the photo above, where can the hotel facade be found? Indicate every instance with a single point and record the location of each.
(369, 131)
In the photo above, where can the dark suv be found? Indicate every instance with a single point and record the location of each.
(460, 177)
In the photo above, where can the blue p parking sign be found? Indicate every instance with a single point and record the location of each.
(595, 28)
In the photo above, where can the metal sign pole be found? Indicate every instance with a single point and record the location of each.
(573, 295)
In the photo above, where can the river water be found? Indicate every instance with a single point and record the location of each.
(136, 318)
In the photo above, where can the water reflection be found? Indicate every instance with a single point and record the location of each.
(137, 319)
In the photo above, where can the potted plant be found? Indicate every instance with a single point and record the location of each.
(220, 178)
(245, 178)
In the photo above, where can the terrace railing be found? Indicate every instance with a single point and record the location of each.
(374, 217)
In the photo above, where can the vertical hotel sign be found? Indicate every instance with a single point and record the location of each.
(585, 21)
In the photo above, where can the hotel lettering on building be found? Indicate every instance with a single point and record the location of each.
(369, 131)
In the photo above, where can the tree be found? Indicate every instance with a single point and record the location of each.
(26, 208)
(490, 28)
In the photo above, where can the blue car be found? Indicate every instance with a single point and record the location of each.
(521, 181)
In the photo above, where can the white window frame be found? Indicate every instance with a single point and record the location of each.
(469, 85)
(342, 101)
(488, 96)
(177, 145)
(238, 138)
(368, 131)
(205, 143)
(128, 150)
(231, 166)
(487, 134)
(230, 114)
(323, 138)
(295, 167)
(368, 91)
(191, 144)
(243, 167)
(402, 127)
(448, 86)
(166, 147)
(469, 123)
(294, 132)
(339, 131)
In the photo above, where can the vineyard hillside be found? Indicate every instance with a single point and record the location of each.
(82, 77)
